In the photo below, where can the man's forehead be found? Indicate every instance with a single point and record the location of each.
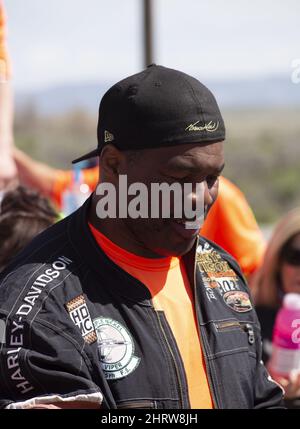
(193, 156)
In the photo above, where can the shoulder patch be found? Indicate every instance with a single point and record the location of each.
(51, 276)
(80, 315)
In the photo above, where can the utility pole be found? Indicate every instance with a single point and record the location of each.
(148, 33)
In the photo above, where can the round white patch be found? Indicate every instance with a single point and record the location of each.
(116, 348)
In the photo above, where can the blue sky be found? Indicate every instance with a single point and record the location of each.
(66, 41)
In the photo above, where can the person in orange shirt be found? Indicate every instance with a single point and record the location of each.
(230, 221)
(168, 283)
(125, 310)
(7, 165)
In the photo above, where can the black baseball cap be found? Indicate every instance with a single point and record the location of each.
(154, 108)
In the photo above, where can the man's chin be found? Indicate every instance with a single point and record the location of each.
(177, 250)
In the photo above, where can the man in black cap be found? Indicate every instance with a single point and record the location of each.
(136, 311)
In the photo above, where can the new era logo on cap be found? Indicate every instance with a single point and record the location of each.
(108, 137)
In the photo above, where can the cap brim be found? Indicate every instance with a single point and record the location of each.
(91, 154)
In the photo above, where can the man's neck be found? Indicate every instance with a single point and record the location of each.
(116, 231)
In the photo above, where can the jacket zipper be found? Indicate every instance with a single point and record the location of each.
(203, 347)
(246, 327)
(174, 360)
(136, 404)
(222, 326)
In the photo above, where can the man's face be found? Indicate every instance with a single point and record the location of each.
(189, 163)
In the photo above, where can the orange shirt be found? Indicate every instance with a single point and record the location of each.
(4, 61)
(171, 293)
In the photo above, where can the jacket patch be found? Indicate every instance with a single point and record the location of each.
(238, 301)
(116, 348)
(80, 315)
(45, 280)
(218, 277)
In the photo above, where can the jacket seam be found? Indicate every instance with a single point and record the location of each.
(71, 340)
(126, 298)
(211, 365)
(228, 352)
(166, 354)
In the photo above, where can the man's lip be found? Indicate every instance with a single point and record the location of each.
(183, 231)
(189, 224)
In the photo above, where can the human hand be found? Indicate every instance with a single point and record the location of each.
(291, 384)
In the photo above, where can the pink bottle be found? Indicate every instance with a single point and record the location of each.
(286, 337)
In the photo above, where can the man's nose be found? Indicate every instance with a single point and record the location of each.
(201, 195)
(208, 199)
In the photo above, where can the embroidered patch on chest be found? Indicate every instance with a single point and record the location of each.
(237, 300)
(116, 348)
(220, 280)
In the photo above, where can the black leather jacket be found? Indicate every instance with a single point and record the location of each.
(74, 326)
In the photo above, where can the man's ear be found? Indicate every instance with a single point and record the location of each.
(111, 160)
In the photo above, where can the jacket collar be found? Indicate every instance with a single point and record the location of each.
(118, 281)
(123, 284)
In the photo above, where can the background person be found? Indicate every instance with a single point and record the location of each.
(23, 215)
(278, 275)
(51, 182)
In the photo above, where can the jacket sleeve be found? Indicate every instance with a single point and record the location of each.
(39, 365)
(268, 393)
